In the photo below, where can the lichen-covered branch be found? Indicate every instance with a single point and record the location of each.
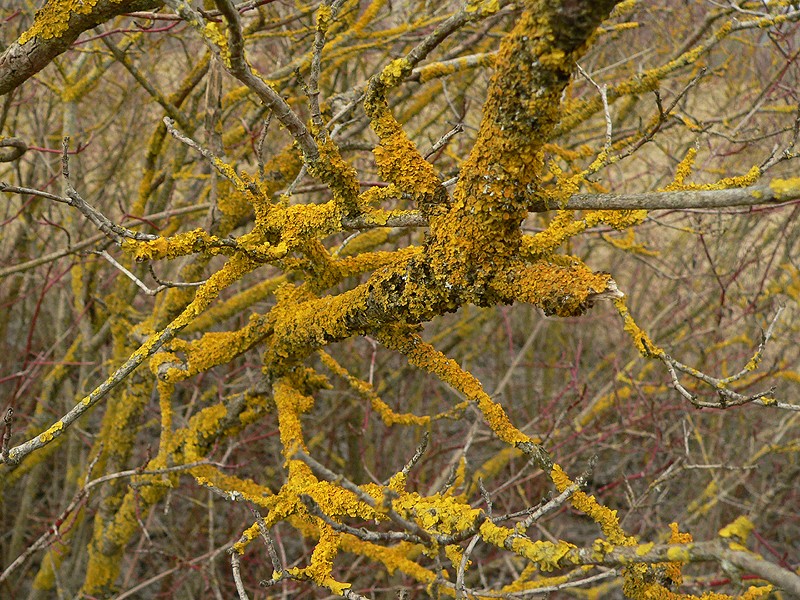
(56, 26)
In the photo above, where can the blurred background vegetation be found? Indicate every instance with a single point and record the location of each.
(703, 283)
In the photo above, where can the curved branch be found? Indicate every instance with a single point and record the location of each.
(12, 148)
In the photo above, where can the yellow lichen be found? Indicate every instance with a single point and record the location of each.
(643, 549)
(785, 189)
(679, 553)
(738, 530)
(53, 431)
(52, 20)
(395, 72)
(640, 339)
(484, 8)
(213, 32)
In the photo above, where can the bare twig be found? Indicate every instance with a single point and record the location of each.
(237, 575)
(240, 69)
(223, 169)
(326, 13)
(262, 529)
(727, 396)
(603, 90)
(442, 141)
(462, 567)
(111, 230)
(423, 445)
(82, 245)
(260, 147)
(8, 420)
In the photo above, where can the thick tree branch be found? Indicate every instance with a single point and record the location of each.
(533, 66)
(54, 29)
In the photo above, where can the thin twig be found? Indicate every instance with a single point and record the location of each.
(56, 526)
(442, 141)
(603, 90)
(8, 420)
(237, 576)
(727, 396)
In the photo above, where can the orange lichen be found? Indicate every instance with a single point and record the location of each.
(340, 176)
(291, 404)
(483, 8)
(219, 347)
(395, 71)
(628, 243)
(673, 570)
(397, 157)
(563, 286)
(442, 69)
(682, 171)
(213, 32)
(190, 242)
(246, 489)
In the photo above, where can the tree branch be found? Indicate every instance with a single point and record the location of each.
(53, 31)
